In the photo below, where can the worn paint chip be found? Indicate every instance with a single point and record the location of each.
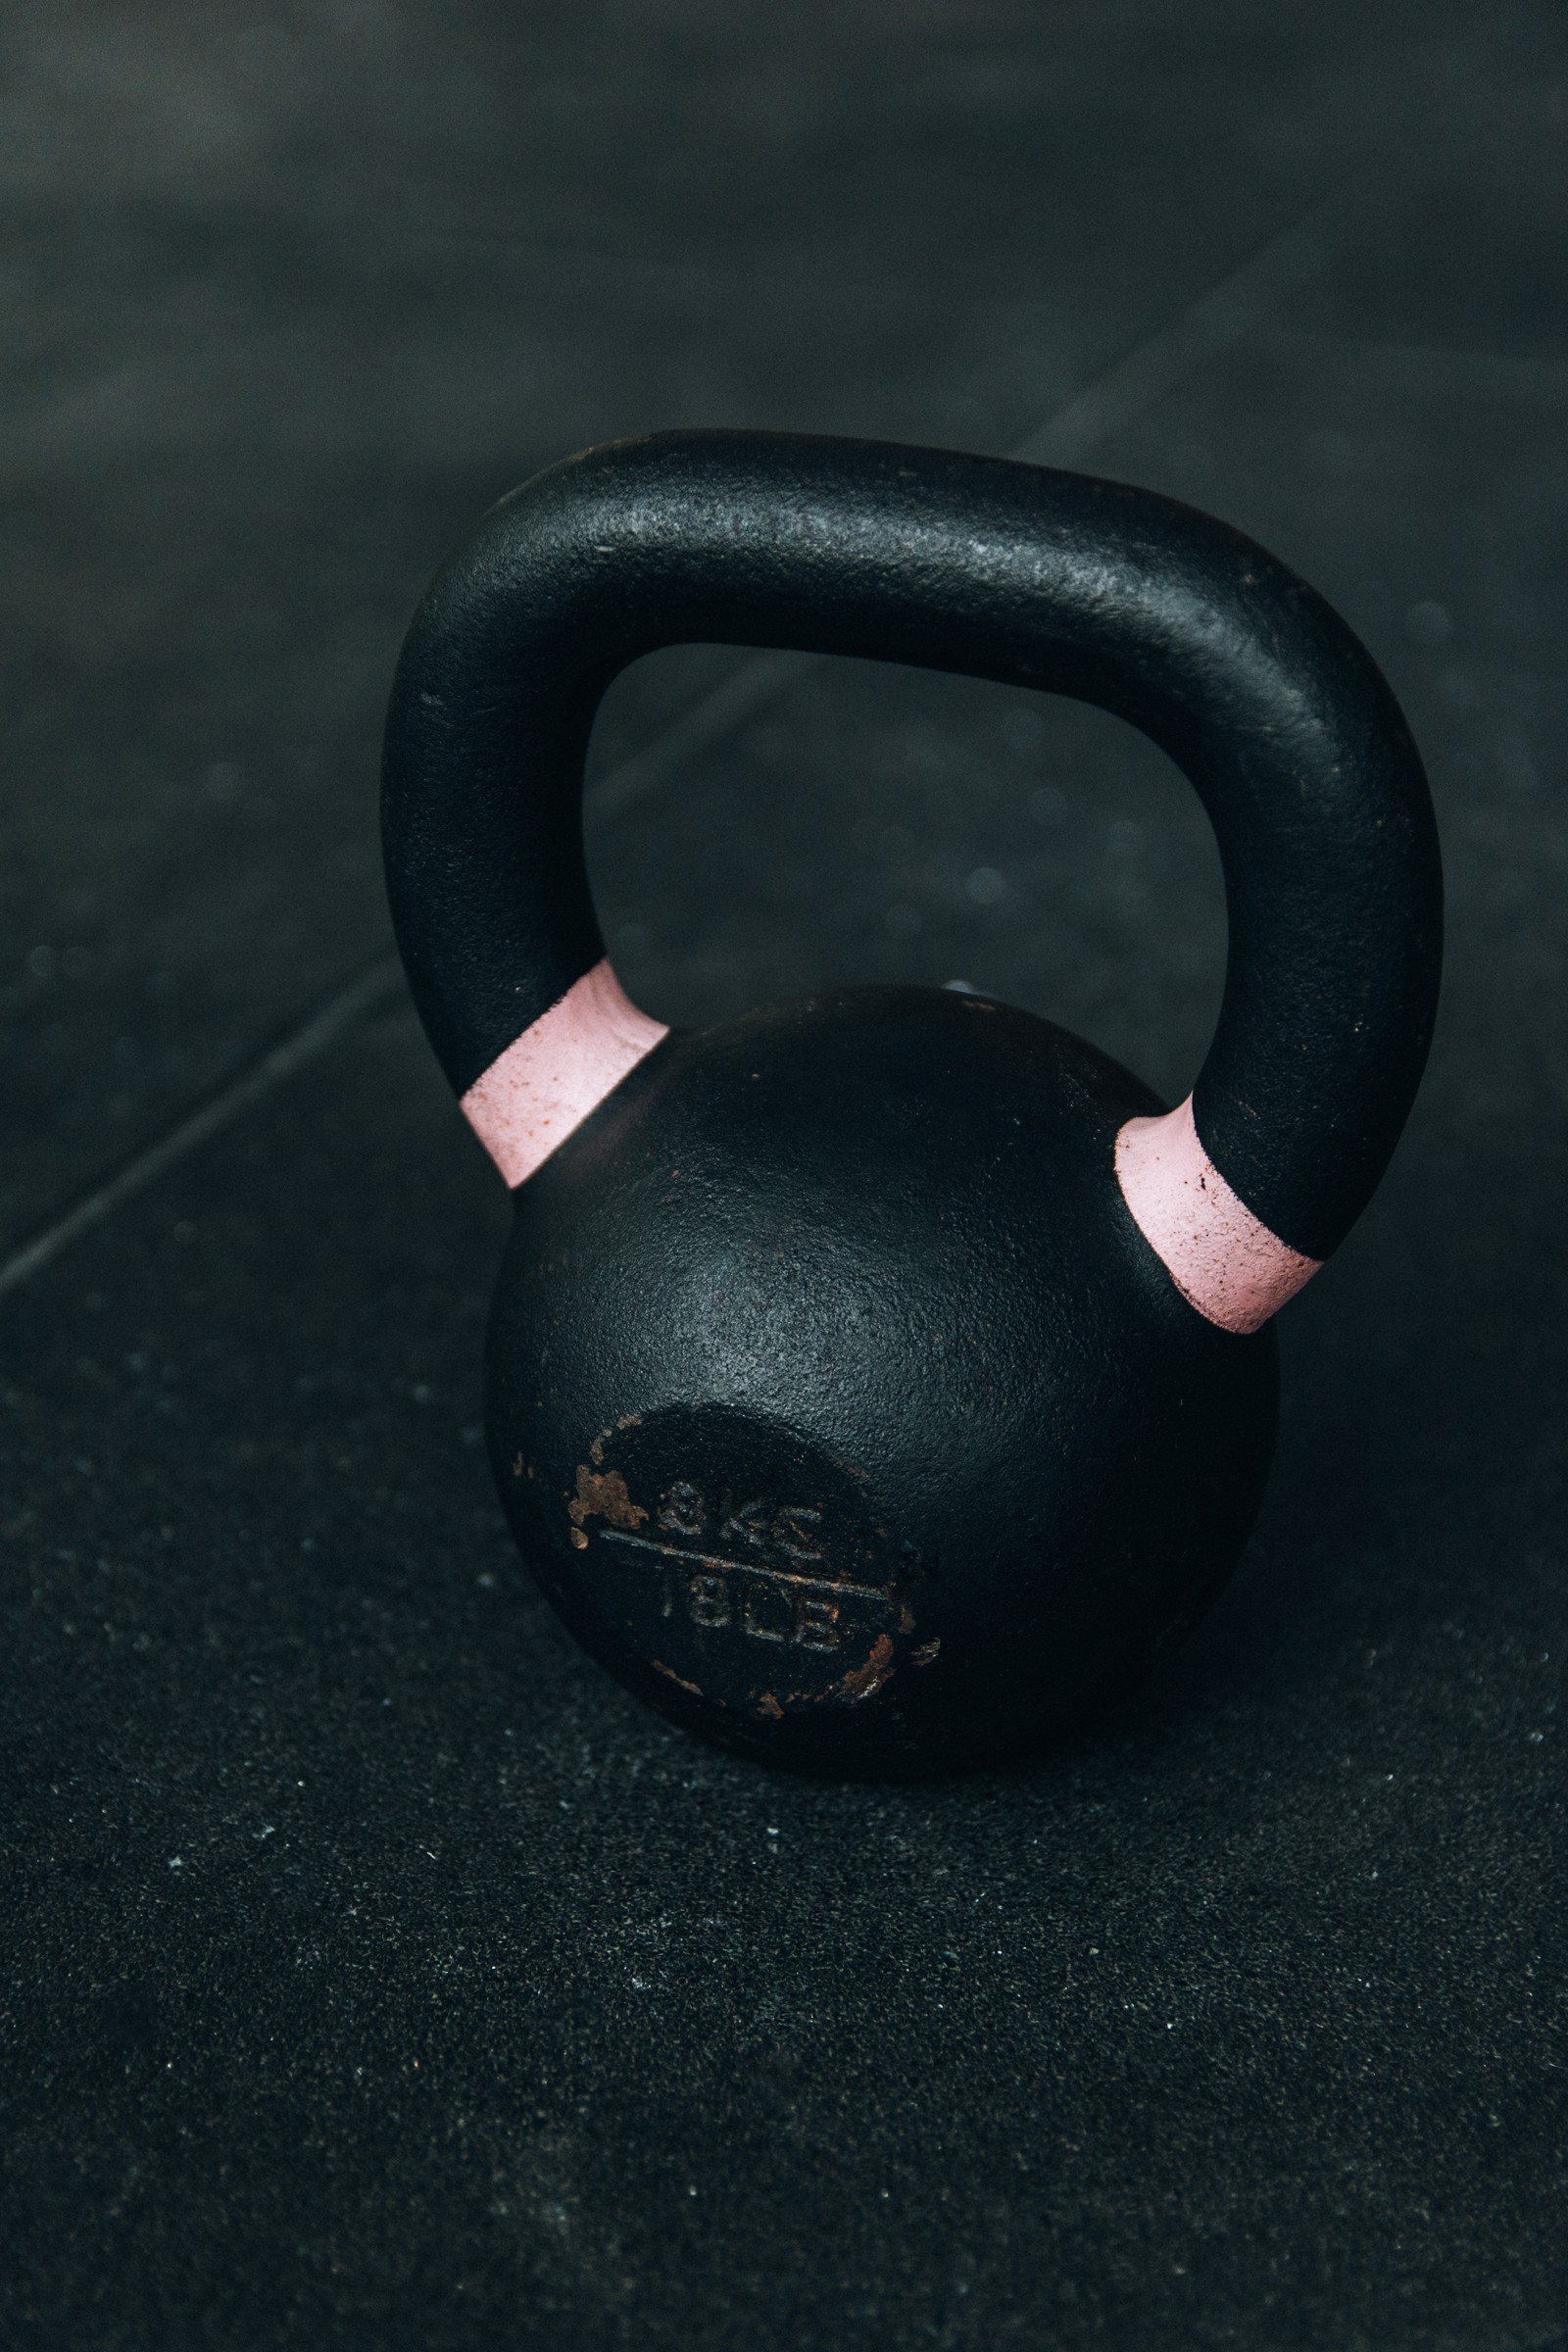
(863, 1681)
(601, 1494)
(669, 1674)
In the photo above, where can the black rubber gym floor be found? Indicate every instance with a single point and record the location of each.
(378, 1973)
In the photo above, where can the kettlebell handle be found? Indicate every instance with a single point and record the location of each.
(1250, 682)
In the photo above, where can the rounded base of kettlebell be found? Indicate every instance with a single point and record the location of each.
(840, 1408)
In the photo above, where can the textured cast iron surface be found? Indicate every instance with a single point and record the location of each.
(885, 1276)
(1019, 573)
(839, 1406)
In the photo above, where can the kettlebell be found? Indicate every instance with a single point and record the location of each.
(880, 1384)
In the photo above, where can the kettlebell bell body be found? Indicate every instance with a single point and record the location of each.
(879, 1384)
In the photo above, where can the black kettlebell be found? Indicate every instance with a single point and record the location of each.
(880, 1383)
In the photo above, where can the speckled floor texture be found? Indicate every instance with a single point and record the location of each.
(377, 1974)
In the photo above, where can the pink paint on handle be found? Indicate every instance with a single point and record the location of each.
(1223, 1261)
(551, 1077)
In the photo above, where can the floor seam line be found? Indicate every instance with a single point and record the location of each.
(292, 1052)
(1213, 322)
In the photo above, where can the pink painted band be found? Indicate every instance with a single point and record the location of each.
(550, 1078)
(1223, 1261)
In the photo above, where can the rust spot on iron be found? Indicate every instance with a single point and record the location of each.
(767, 1704)
(669, 1674)
(863, 1681)
(579, 1539)
(925, 1656)
(603, 1494)
(906, 1619)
